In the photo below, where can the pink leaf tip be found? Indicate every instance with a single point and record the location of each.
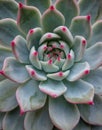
(50, 61)
(1, 72)
(84, 42)
(60, 74)
(21, 112)
(31, 31)
(20, 5)
(69, 56)
(52, 7)
(12, 44)
(88, 17)
(91, 103)
(64, 29)
(86, 72)
(49, 35)
(35, 53)
(32, 73)
(61, 46)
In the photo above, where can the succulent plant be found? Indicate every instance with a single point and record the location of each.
(50, 65)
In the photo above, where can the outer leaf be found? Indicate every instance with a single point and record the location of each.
(69, 6)
(64, 115)
(15, 71)
(78, 71)
(91, 7)
(93, 55)
(80, 25)
(30, 97)
(38, 120)
(92, 113)
(52, 87)
(20, 49)
(79, 92)
(13, 121)
(51, 19)
(28, 18)
(42, 5)
(82, 126)
(2, 114)
(8, 30)
(95, 78)
(4, 52)
(96, 33)
(7, 95)
(8, 9)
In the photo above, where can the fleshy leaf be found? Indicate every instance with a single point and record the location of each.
(82, 126)
(49, 67)
(38, 120)
(7, 95)
(33, 38)
(65, 34)
(59, 75)
(8, 9)
(81, 25)
(28, 18)
(79, 92)
(79, 47)
(20, 50)
(2, 114)
(29, 96)
(34, 58)
(69, 6)
(69, 61)
(36, 74)
(59, 62)
(42, 5)
(91, 7)
(8, 30)
(64, 115)
(96, 33)
(52, 87)
(15, 71)
(51, 19)
(92, 114)
(13, 121)
(93, 55)
(95, 78)
(78, 71)
(4, 52)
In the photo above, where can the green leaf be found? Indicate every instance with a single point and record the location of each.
(7, 95)
(8, 30)
(20, 50)
(42, 5)
(93, 55)
(78, 71)
(79, 47)
(52, 87)
(33, 38)
(64, 115)
(38, 120)
(69, 6)
(51, 19)
(29, 96)
(91, 7)
(79, 92)
(95, 78)
(82, 126)
(13, 121)
(15, 71)
(8, 9)
(4, 52)
(65, 34)
(92, 114)
(36, 74)
(2, 114)
(96, 33)
(81, 25)
(28, 18)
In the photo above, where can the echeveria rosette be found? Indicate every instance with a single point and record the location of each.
(51, 65)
